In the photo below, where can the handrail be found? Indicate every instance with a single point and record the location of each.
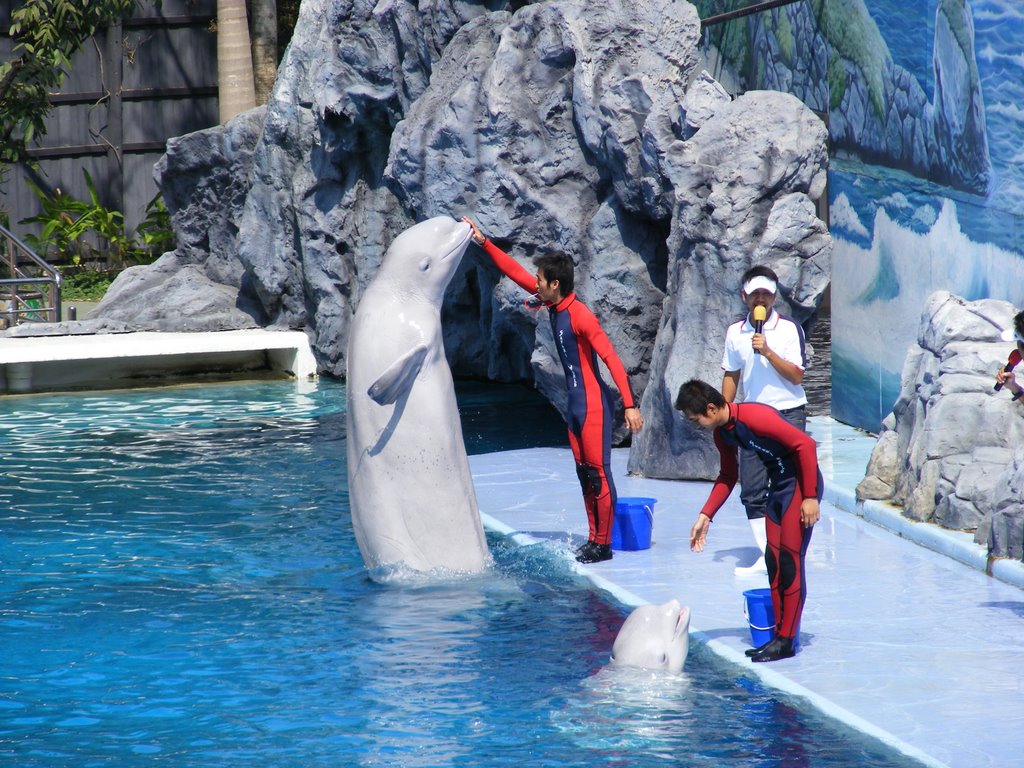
(711, 21)
(31, 278)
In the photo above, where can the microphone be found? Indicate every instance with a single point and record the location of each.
(1011, 363)
(760, 314)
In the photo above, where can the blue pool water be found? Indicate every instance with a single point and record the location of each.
(180, 586)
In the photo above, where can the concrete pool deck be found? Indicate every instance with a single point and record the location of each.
(904, 634)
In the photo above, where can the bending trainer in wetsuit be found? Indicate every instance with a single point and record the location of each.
(794, 490)
(580, 341)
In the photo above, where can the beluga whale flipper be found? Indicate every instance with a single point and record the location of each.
(410, 489)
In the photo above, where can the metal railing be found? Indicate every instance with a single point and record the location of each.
(29, 286)
(711, 21)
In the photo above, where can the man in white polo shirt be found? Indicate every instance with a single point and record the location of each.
(768, 358)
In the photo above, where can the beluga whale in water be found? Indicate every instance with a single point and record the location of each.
(655, 637)
(410, 489)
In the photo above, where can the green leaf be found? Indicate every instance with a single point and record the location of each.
(46, 34)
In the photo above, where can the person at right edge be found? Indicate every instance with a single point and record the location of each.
(1005, 376)
(765, 352)
(790, 457)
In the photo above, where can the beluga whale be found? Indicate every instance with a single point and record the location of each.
(411, 493)
(654, 637)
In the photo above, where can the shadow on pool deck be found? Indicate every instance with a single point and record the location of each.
(904, 635)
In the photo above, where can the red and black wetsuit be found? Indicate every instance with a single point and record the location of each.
(581, 341)
(791, 461)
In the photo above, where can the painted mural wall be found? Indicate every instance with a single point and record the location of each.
(925, 105)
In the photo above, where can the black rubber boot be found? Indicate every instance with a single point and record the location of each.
(592, 552)
(778, 648)
(754, 651)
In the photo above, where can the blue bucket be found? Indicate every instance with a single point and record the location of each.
(634, 519)
(760, 613)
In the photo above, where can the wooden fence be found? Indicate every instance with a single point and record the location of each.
(147, 79)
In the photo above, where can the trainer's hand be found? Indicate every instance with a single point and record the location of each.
(1006, 378)
(699, 533)
(810, 513)
(634, 420)
(477, 235)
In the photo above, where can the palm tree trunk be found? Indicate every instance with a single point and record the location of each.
(264, 47)
(237, 91)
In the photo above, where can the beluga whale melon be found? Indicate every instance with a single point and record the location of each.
(654, 637)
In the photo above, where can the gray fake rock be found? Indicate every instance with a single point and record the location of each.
(202, 285)
(560, 125)
(703, 98)
(1003, 529)
(744, 185)
(66, 328)
(545, 127)
(171, 296)
(880, 477)
(944, 451)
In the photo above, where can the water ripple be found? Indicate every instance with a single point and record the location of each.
(180, 586)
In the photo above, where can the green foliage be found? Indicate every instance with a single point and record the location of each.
(851, 32)
(78, 284)
(836, 82)
(46, 34)
(853, 35)
(958, 20)
(787, 40)
(78, 232)
(955, 16)
(155, 230)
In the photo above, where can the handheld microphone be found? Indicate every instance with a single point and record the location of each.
(760, 314)
(1011, 363)
(534, 302)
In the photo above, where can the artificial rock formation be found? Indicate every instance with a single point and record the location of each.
(202, 285)
(743, 187)
(558, 125)
(951, 450)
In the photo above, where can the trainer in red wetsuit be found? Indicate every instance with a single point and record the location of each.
(790, 458)
(580, 341)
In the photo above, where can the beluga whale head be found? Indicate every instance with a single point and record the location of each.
(655, 637)
(421, 261)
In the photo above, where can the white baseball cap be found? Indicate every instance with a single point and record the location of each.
(760, 282)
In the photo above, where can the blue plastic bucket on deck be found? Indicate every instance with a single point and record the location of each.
(634, 519)
(760, 615)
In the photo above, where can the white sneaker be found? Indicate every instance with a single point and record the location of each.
(757, 569)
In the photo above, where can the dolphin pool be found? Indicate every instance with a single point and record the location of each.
(180, 586)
